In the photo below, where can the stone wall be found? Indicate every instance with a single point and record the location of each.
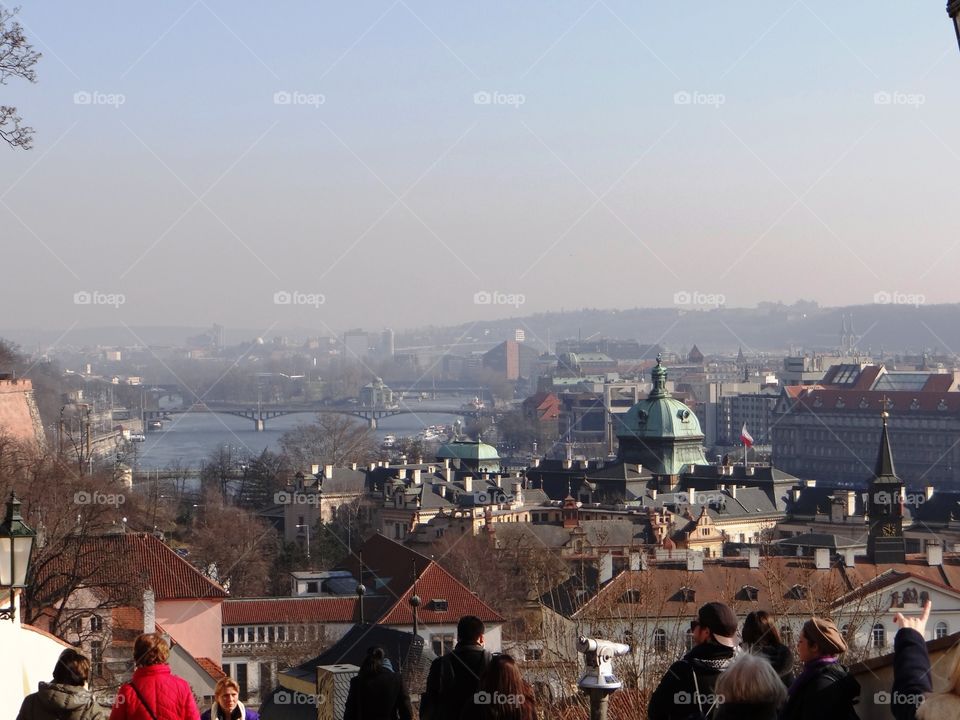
(19, 417)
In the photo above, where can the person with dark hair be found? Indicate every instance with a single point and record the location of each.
(760, 636)
(377, 693)
(154, 693)
(67, 697)
(825, 690)
(687, 687)
(912, 697)
(455, 677)
(227, 705)
(503, 693)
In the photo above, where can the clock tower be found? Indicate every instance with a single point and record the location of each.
(885, 507)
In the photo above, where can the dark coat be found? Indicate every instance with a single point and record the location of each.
(675, 696)
(829, 694)
(452, 682)
(911, 673)
(781, 658)
(380, 696)
(169, 697)
(743, 711)
(56, 701)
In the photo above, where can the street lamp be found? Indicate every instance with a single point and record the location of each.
(16, 542)
(953, 10)
(308, 538)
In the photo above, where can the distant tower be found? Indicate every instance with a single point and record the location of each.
(848, 338)
(387, 348)
(885, 543)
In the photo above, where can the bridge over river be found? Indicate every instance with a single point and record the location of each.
(259, 413)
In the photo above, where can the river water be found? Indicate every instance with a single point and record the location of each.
(190, 438)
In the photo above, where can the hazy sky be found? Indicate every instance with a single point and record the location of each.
(383, 162)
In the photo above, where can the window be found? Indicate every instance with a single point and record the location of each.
(242, 634)
(230, 636)
(688, 640)
(786, 635)
(660, 640)
(438, 605)
(262, 634)
(96, 623)
(282, 633)
(532, 654)
(879, 636)
(271, 633)
(940, 631)
(313, 587)
(749, 592)
(442, 644)
(631, 596)
(77, 625)
(96, 658)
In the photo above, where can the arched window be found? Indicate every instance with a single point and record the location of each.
(879, 636)
(689, 640)
(941, 631)
(96, 623)
(660, 640)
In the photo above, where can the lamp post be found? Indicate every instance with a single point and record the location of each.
(16, 543)
(953, 10)
(307, 526)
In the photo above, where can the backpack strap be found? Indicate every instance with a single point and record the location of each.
(143, 702)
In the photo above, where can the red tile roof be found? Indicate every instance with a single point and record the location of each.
(435, 583)
(211, 668)
(144, 561)
(270, 611)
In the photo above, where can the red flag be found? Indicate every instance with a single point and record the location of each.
(745, 437)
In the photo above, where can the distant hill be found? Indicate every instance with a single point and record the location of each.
(770, 327)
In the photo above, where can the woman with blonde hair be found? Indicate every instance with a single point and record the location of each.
(154, 693)
(226, 703)
(912, 698)
(749, 689)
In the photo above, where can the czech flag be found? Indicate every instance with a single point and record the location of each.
(745, 437)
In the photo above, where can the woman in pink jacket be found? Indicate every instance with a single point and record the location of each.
(154, 693)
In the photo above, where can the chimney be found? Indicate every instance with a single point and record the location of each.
(653, 493)
(446, 463)
(499, 480)
(584, 464)
(416, 476)
(809, 483)
(634, 561)
(402, 473)
(934, 554)
(441, 490)
(694, 561)
(328, 472)
(733, 491)
(639, 468)
(692, 495)
(567, 464)
(314, 469)
(448, 474)
(851, 503)
(468, 483)
(928, 492)
(753, 558)
(353, 466)
(821, 558)
(536, 462)
(373, 466)
(149, 611)
(795, 493)
(849, 557)
(606, 568)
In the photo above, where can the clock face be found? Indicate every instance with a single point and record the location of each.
(889, 530)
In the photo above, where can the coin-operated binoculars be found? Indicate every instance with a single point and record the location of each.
(598, 679)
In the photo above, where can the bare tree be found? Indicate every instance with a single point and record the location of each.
(331, 439)
(17, 58)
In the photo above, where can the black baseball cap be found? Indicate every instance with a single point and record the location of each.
(721, 621)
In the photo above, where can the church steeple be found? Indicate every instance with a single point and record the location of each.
(885, 543)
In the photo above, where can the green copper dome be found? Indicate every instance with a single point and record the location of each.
(467, 450)
(660, 432)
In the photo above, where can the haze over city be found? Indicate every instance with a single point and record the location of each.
(406, 164)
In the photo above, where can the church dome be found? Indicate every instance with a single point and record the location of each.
(660, 415)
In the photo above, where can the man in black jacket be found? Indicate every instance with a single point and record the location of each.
(455, 678)
(687, 687)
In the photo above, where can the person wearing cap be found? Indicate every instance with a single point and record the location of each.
(825, 690)
(687, 687)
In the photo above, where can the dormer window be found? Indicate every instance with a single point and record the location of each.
(798, 592)
(631, 596)
(749, 592)
(438, 605)
(687, 595)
